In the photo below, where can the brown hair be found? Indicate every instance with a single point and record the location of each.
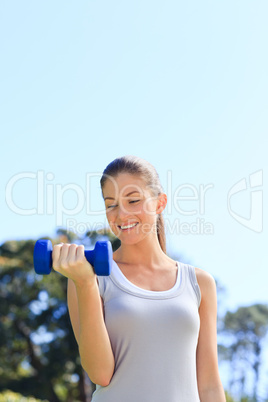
(138, 166)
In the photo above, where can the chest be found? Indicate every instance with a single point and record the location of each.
(159, 280)
(173, 320)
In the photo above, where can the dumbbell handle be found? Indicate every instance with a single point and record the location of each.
(100, 258)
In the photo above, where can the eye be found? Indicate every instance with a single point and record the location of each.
(130, 202)
(111, 206)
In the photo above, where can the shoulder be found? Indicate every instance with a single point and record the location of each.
(206, 282)
(203, 277)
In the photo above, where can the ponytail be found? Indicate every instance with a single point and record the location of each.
(161, 232)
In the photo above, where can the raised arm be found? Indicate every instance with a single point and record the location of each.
(86, 312)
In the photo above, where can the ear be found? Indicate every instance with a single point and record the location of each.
(162, 202)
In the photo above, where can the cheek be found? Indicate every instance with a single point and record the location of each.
(110, 217)
(149, 207)
(113, 226)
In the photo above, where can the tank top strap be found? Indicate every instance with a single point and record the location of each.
(194, 283)
(116, 282)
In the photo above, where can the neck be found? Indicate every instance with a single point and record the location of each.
(146, 252)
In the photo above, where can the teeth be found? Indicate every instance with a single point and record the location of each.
(128, 227)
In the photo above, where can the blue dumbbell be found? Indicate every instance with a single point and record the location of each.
(100, 257)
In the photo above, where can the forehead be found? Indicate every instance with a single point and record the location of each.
(123, 184)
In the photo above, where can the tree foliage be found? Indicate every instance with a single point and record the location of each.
(245, 329)
(9, 396)
(38, 351)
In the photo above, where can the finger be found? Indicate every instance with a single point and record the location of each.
(80, 253)
(56, 252)
(72, 257)
(63, 261)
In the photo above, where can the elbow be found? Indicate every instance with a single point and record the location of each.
(103, 381)
(99, 378)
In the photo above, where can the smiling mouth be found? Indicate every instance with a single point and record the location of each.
(127, 227)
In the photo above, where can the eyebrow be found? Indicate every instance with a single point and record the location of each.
(111, 198)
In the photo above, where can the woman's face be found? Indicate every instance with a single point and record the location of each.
(131, 209)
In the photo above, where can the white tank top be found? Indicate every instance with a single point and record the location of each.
(154, 337)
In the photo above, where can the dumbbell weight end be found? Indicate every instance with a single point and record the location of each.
(100, 258)
(43, 257)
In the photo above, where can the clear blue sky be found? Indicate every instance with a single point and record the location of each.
(181, 84)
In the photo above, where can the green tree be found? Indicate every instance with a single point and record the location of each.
(38, 351)
(9, 396)
(245, 330)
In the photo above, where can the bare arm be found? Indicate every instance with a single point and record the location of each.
(72, 302)
(86, 312)
(209, 383)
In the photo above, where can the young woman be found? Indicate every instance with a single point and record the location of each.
(147, 332)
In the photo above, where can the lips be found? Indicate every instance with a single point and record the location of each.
(132, 226)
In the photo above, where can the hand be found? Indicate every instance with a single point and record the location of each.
(70, 261)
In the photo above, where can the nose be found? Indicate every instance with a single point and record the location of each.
(122, 212)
